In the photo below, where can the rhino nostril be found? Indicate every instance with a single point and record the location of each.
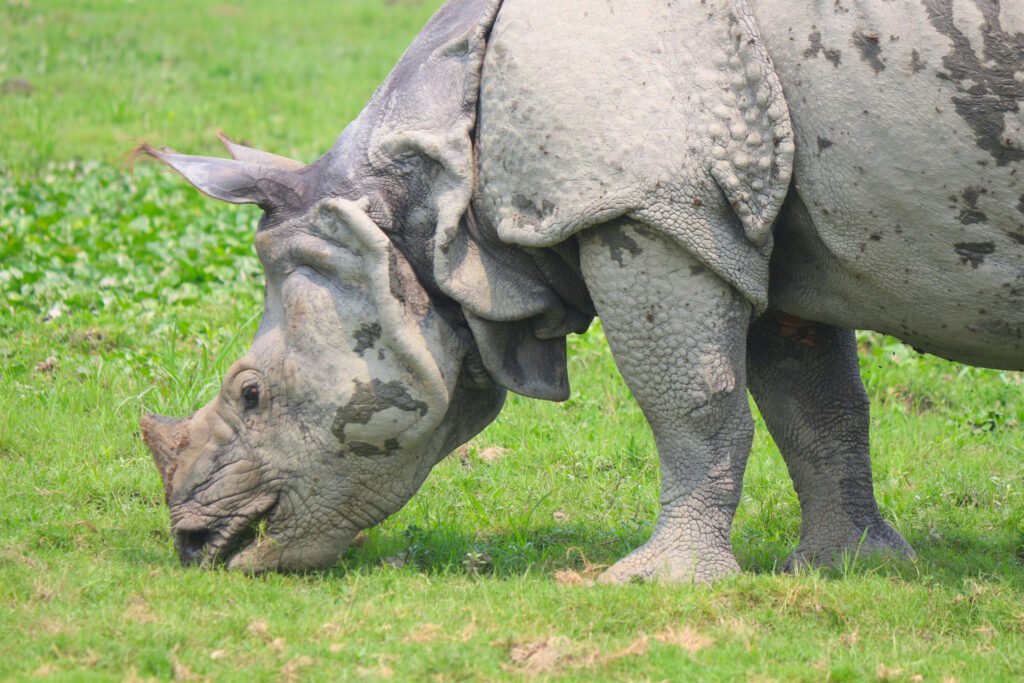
(193, 543)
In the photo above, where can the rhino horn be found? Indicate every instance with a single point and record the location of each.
(166, 437)
(234, 180)
(256, 156)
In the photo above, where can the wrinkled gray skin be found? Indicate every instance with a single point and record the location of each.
(732, 185)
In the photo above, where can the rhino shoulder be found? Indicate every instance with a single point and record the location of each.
(591, 111)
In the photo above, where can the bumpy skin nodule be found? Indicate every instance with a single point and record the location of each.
(806, 381)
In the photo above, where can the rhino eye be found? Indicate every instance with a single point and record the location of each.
(251, 396)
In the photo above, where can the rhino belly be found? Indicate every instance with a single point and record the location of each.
(907, 211)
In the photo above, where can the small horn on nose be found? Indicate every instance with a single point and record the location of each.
(165, 437)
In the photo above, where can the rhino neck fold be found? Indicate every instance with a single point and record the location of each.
(411, 153)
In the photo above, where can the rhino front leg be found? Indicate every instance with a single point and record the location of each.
(678, 333)
(806, 381)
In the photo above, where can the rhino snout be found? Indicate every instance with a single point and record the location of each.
(210, 539)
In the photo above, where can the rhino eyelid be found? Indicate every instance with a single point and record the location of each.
(299, 265)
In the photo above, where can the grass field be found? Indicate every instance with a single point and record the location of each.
(122, 294)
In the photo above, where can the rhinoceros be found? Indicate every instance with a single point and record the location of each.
(732, 186)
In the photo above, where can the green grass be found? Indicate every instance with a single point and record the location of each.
(107, 73)
(140, 293)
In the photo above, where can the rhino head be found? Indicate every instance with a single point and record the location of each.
(391, 325)
(356, 384)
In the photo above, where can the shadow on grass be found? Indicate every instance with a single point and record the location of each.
(503, 554)
(951, 559)
(958, 555)
(150, 558)
(948, 560)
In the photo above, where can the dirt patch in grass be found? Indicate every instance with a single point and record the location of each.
(424, 633)
(555, 654)
(686, 638)
(139, 611)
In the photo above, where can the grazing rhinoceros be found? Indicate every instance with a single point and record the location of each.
(730, 184)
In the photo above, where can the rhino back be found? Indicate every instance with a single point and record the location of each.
(908, 212)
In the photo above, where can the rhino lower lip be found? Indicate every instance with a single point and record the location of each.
(206, 546)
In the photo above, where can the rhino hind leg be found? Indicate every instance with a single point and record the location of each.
(678, 335)
(805, 379)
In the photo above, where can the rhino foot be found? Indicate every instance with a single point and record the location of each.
(823, 549)
(672, 562)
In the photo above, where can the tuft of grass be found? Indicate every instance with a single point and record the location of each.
(126, 294)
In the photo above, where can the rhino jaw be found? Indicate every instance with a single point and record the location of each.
(215, 541)
(166, 437)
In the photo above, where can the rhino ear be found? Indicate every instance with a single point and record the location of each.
(234, 181)
(255, 156)
(419, 124)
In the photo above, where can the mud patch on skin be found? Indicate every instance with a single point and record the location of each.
(970, 213)
(395, 284)
(987, 84)
(823, 144)
(367, 337)
(870, 48)
(524, 205)
(974, 252)
(404, 286)
(816, 48)
(795, 329)
(618, 242)
(917, 64)
(369, 399)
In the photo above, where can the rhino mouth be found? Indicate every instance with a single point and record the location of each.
(209, 545)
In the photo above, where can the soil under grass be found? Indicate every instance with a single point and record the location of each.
(127, 294)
